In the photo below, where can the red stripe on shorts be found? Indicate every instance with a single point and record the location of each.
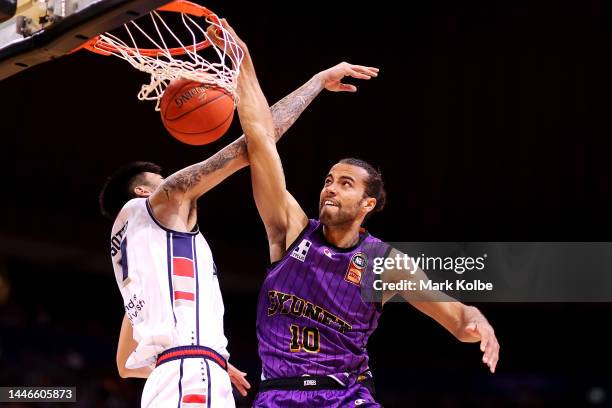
(194, 399)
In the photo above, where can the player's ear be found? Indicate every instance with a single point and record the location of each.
(142, 191)
(369, 203)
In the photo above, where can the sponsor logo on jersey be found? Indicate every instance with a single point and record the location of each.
(116, 240)
(301, 250)
(328, 253)
(133, 308)
(357, 265)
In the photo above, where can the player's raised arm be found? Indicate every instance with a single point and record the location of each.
(267, 174)
(284, 114)
(188, 184)
(282, 215)
(192, 182)
(465, 322)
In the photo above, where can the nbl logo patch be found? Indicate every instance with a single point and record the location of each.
(358, 263)
(301, 250)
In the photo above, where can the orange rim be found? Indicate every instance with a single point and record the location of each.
(177, 6)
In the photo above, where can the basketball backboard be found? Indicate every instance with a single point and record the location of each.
(43, 30)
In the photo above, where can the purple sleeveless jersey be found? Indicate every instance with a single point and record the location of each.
(311, 318)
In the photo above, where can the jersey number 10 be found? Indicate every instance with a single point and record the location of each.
(306, 338)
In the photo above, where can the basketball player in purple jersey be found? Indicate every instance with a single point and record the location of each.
(312, 323)
(147, 209)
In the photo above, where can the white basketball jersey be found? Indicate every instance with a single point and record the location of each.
(169, 285)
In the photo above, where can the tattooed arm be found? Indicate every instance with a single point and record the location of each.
(329, 79)
(173, 202)
(184, 187)
(234, 156)
(280, 213)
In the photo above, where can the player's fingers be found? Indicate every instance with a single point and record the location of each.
(494, 354)
(358, 75)
(213, 32)
(371, 71)
(241, 385)
(241, 390)
(217, 30)
(245, 382)
(347, 88)
(244, 387)
(364, 69)
(484, 340)
(493, 363)
(228, 27)
(471, 327)
(496, 359)
(490, 351)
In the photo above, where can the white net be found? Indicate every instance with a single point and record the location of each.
(164, 63)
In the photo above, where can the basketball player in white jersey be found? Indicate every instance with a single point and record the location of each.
(172, 332)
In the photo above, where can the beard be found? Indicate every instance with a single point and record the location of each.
(336, 216)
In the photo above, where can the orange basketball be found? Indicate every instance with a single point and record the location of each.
(195, 113)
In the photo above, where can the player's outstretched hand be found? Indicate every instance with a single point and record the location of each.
(213, 33)
(238, 378)
(481, 330)
(332, 78)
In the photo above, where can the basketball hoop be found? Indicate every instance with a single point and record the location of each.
(164, 63)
